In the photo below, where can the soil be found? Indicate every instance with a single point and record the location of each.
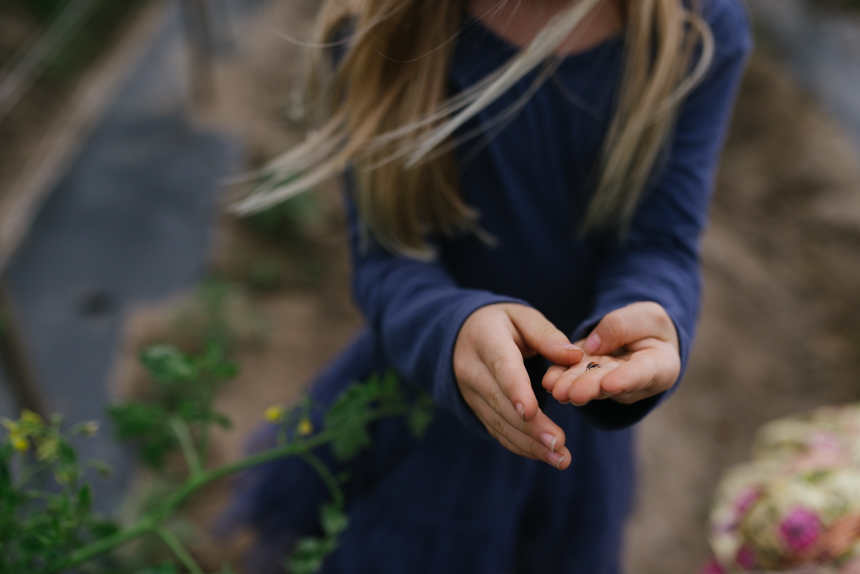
(780, 325)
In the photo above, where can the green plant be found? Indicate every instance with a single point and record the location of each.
(266, 274)
(289, 220)
(219, 312)
(50, 528)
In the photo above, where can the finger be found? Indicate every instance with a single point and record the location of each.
(519, 442)
(551, 376)
(559, 460)
(540, 335)
(504, 360)
(629, 324)
(487, 390)
(588, 386)
(580, 385)
(651, 371)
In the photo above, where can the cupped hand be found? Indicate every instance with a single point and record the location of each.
(491, 375)
(636, 348)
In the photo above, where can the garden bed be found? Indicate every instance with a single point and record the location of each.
(778, 332)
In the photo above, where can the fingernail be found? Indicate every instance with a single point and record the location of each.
(548, 440)
(521, 409)
(592, 343)
(571, 348)
(555, 459)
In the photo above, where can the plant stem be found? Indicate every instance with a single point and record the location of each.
(207, 398)
(204, 433)
(194, 483)
(186, 443)
(291, 449)
(103, 545)
(327, 476)
(178, 549)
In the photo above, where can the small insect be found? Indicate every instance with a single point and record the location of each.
(592, 365)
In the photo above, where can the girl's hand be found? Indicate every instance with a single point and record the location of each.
(488, 364)
(637, 350)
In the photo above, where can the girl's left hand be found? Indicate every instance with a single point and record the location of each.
(638, 353)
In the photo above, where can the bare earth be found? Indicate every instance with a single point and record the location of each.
(780, 328)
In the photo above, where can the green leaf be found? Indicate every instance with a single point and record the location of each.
(101, 528)
(147, 425)
(84, 499)
(348, 419)
(134, 420)
(101, 467)
(167, 364)
(349, 443)
(222, 420)
(308, 555)
(419, 422)
(191, 410)
(389, 388)
(66, 453)
(225, 371)
(333, 519)
(421, 414)
(5, 457)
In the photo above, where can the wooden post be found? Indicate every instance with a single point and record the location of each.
(198, 39)
(19, 371)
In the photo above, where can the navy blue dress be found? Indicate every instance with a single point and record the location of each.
(456, 501)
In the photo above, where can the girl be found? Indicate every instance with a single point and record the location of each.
(519, 175)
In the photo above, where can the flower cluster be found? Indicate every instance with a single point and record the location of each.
(796, 506)
(50, 443)
(30, 424)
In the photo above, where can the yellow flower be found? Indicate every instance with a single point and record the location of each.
(305, 427)
(275, 414)
(19, 443)
(17, 436)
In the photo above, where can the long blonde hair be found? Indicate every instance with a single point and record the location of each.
(391, 119)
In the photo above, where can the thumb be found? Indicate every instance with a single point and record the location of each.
(541, 336)
(628, 325)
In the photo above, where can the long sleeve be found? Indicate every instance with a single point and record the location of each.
(415, 310)
(659, 261)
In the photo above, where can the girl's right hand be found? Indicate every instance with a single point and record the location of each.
(491, 375)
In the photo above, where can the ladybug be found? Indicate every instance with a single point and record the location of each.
(590, 366)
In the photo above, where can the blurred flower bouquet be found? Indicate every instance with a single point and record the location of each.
(796, 507)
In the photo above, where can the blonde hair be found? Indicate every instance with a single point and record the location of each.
(391, 120)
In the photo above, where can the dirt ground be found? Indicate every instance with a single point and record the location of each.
(780, 327)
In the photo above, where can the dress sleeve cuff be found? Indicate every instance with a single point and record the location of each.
(610, 415)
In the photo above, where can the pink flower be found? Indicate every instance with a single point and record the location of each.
(825, 441)
(746, 558)
(800, 529)
(712, 567)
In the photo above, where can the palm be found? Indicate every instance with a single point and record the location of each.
(636, 357)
